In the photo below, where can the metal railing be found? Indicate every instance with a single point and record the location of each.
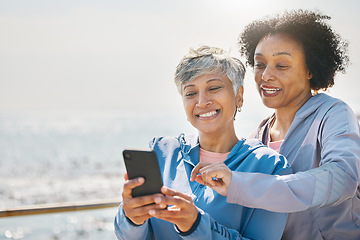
(56, 208)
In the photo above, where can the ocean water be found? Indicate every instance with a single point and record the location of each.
(60, 158)
(81, 225)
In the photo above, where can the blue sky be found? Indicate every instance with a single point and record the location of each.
(88, 56)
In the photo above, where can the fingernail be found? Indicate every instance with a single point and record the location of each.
(152, 212)
(163, 206)
(158, 200)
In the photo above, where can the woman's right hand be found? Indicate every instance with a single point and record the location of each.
(137, 209)
(215, 175)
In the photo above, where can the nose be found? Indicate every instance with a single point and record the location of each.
(267, 74)
(203, 100)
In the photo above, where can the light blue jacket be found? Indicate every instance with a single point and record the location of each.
(326, 199)
(218, 219)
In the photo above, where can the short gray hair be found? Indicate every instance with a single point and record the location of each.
(207, 60)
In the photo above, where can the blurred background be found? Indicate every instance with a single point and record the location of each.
(81, 80)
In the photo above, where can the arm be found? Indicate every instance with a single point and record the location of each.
(131, 221)
(334, 181)
(256, 190)
(126, 230)
(317, 187)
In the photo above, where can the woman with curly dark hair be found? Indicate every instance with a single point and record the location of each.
(293, 56)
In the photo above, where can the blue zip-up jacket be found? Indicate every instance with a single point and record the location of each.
(217, 220)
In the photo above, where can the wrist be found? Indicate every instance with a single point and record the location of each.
(132, 223)
(193, 227)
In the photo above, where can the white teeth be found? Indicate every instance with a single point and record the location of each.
(209, 114)
(271, 90)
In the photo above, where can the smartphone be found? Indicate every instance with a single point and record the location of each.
(143, 163)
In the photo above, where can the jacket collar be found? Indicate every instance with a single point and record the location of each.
(189, 148)
(307, 109)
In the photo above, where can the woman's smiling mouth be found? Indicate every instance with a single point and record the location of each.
(270, 91)
(208, 114)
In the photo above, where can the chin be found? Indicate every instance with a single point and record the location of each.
(270, 104)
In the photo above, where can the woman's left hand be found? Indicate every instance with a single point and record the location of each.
(183, 212)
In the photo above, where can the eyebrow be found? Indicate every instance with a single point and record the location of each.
(281, 53)
(189, 85)
(275, 54)
(208, 81)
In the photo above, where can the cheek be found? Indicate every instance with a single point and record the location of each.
(188, 108)
(258, 80)
(257, 75)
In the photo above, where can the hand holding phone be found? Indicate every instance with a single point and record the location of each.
(143, 163)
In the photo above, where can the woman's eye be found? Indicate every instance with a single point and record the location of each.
(259, 65)
(190, 94)
(282, 66)
(214, 88)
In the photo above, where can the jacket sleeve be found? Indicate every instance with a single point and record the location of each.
(339, 140)
(334, 181)
(125, 230)
(271, 225)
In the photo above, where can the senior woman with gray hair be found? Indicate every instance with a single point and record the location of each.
(211, 85)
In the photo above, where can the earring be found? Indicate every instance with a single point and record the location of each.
(239, 109)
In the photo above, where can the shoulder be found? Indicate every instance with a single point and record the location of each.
(172, 142)
(337, 105)
(323, 104)
(161, 141)
(326, 112)
(336, 115)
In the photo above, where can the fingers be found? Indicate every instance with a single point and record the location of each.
(137, 209)
(200, 180)
(184, 219)
(171, 192)
(173, 197)
(215, 173)
(138, 202)
(182, 212)
(196, 170)
(129, 185)
(139, 206)
(210, 173)
(217, 176)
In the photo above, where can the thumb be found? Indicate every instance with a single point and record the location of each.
(199, 179)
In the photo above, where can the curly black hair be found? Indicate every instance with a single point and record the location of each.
(325, 52)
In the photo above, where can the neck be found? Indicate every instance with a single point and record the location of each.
(281, 126)
(218, 143)
(283, 120)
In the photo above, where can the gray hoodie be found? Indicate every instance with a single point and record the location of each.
(323, 148)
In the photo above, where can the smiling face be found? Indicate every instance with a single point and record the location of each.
(210, 103)
(281, 74)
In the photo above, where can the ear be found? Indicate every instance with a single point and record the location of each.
(309, 75)
(239, 97)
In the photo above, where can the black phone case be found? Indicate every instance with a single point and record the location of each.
(143, 163)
